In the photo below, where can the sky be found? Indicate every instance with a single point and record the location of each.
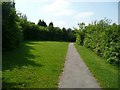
(68, 13)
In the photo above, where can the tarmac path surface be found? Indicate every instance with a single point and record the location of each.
(76, 74)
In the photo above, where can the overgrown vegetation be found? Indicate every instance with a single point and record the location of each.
(102, 37)
(34, 65)
(105, 73)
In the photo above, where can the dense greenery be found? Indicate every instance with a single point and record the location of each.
(101, 37)
(11, 30)
(105, 73)
(32, 31)
(34, 65)
(16, 28)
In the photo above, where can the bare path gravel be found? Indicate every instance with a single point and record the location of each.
(76, 73)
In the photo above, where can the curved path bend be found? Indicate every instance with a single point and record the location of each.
(75, 73)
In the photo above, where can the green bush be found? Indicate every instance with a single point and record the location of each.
(103, 38)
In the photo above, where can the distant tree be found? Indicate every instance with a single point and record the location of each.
(39, 22)
(69, 30)
(64, 29)
(50, 27)
(22, 16)
(51, 24)
(42, 23)
(64, 33)
(69, 33)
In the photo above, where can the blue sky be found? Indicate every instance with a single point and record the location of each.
(67, 13)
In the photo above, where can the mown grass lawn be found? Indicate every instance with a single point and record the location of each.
(106, 74)
(34, 65)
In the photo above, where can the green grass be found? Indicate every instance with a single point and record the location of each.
(106, 74)
(34, 65)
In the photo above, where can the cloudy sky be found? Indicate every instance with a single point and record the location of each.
(68, 13)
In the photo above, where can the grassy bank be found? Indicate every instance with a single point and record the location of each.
(106, 74)
(34, 65)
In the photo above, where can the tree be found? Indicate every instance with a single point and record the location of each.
(71, 35)
(11, 29)
(64, 33)
(42, 23)
(51, 24)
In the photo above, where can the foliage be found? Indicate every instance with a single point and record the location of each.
(32, 31)
(80, 34)
(11, 30)
(42, 23)
(51, 24)
(103, 38)
(16, 28)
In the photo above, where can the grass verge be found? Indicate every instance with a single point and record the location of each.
(34, 65)
(106, 74)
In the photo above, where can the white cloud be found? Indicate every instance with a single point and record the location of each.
(62, 8)
(55, 6)
(60, 12)
(84, 15)
(58, 8)
(33, 1)
(60, 23)
(93, 0)
(65, 12)
(47, 1)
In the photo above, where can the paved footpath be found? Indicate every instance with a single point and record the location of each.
(76, 73)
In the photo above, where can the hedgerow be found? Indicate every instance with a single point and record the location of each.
(103, 38)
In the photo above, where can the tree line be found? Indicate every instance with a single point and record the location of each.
(43, 32)
(102, 37)
(16, 29)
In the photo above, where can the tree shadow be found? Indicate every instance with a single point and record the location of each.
(6, 84)
(35, 42)
(18, 58)
(14, 86)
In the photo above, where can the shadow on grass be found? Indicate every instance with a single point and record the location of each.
(15, 85)
(6, 84)
(18, 58)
